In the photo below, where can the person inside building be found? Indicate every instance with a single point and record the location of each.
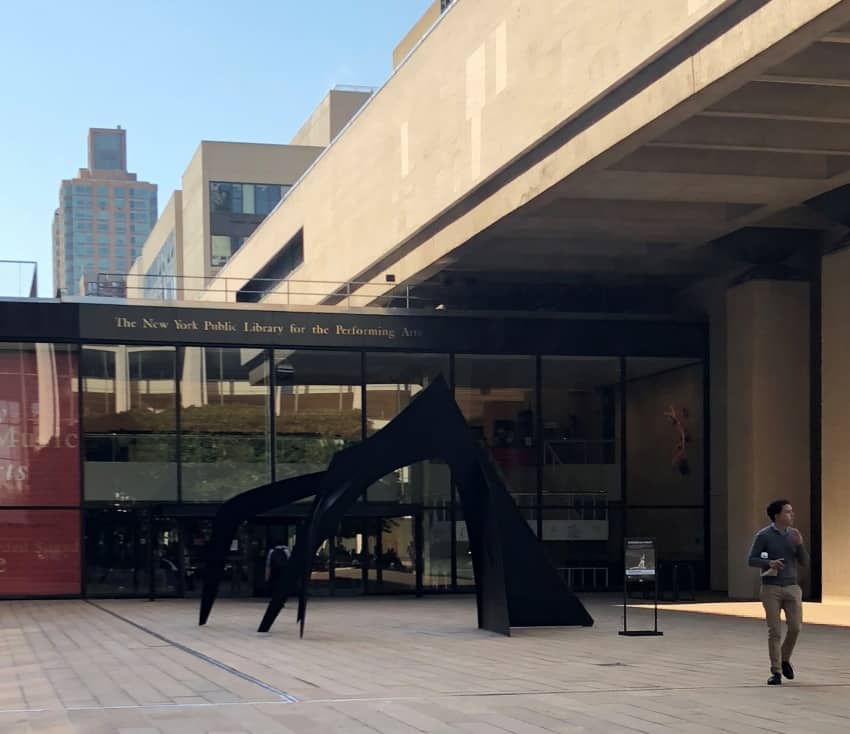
(777, 550)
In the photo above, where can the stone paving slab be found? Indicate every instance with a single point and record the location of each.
(403, 665)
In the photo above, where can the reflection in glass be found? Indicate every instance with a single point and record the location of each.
(496, 395)
(129, 418)
(318, 408)
(392, 381)
(39, 428)
(678, 532)
(41, 552)
(116, 543)
(581, 409)
(224, 421)
(347, 556)
(664, 428)
(396, 563)
(463, 555)
(437, 548)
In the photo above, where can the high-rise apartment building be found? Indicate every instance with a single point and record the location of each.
(104, 215)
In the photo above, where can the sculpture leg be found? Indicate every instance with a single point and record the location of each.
(279, 588)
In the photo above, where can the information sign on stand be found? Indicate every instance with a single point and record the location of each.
(641, 567)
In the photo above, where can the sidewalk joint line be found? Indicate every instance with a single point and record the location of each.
(283, 695)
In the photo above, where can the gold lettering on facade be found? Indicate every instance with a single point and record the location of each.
(219, 326)
(255, 327)
(153, 324)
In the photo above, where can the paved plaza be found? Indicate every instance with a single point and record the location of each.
(406, 665)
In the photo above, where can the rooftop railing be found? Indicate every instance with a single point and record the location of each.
(19, 278)
(346, 294)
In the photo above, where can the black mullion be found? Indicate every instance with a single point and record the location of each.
(623, 472)
(706, 469)
(452, 499)
(815, 424)
(82, 472)
(538, 440)
(364, 407)
(272, 442)
(178, 415)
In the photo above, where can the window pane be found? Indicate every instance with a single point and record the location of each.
(129, 409)
(393, 380)
(108, 150)
(465, 571)
(224, 422)
(116, 552)
(44, 552)
(220, 250)
(664, 431)
(437, 548)
(248, 199)
(581, 420)
(679, 535)
(496, 396)
(39, 428)
(318, 407)
(220, 197)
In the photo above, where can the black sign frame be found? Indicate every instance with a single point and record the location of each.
(640, 564)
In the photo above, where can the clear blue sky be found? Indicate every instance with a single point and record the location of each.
(172, 74)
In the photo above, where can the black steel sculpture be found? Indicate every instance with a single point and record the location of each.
(516, 584)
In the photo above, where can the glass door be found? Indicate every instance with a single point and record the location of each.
(398, 560)
(116, 548)
(166, 574)
(347, 559)
(240, 565)
(392, 551)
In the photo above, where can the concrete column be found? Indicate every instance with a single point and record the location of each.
(193, 385)
(768, 421)
(122, 380)
(835, 426)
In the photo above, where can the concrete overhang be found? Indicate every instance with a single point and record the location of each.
(732, 125)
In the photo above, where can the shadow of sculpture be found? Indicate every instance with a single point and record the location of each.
(515, 583)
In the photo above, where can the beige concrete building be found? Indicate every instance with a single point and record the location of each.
(334, 112)
(228, 190)
(675, 159)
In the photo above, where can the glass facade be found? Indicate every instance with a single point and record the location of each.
(123, 453)
(39, 470)
(129, 419)
(108, 150)
(225, 428)
(160, 282)
(318, 406)
(236, 209)
(665, 456)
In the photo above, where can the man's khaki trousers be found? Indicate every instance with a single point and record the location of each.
(776, 599)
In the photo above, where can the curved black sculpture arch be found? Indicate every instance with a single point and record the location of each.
(242, 507)
(516, 584)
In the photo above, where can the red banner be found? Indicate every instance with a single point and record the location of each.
(39, 552)
(39, 425)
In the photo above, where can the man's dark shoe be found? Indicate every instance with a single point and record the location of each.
(787, 670)
(775, 679)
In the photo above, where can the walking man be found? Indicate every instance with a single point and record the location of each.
(777, 550)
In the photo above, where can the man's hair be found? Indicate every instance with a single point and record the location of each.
(775, 507)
